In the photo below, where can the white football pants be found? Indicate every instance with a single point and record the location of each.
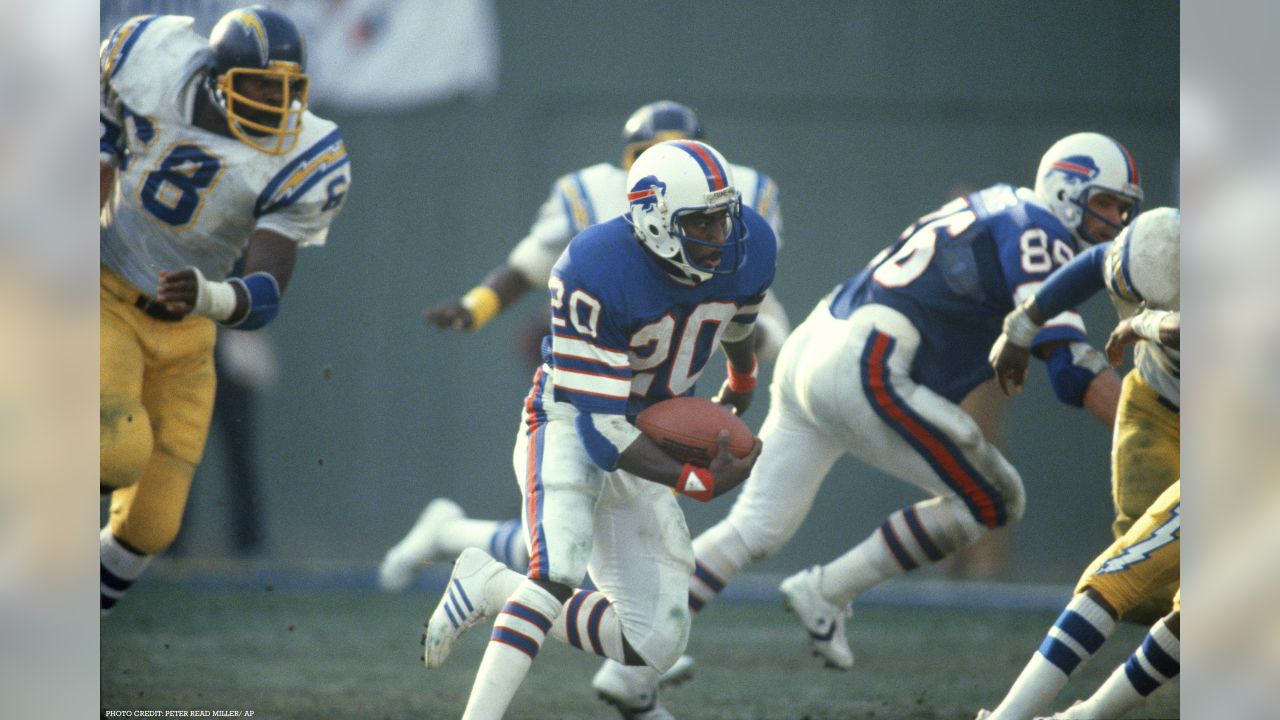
(845, 386)
(629, 532)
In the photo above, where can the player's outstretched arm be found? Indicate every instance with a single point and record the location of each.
(1160, 326)
(500, 288)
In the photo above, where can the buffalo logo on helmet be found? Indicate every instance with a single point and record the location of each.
(646, 191)
(1077, 168)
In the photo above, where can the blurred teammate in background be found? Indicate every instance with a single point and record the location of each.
(596, 194)
(207, 153)
(1140, 269)
(1145, 560)
(577, 201)
(638, 306)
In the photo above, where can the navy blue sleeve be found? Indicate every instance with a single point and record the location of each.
(1074, 283)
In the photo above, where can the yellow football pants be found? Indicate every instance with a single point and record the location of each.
(156, 394)
(1144, 462)
(1143, 561)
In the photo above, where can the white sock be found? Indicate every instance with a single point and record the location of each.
(120, 567)
(1154, 663)
(719, 556)
(913, 536)
(518, 632)
(1077, 634)
(590, 623)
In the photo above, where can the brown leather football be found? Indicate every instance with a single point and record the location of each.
(686, 429)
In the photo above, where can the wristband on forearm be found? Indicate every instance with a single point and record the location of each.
(743, 382)
(1019, 328)
(696, 482)
(1146, 324)
(483, 304)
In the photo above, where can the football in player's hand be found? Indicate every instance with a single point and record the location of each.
(686, 428)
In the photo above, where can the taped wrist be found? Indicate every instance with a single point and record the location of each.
(214, 299)
(483, 304)
(1146, 324)
(1019, 328)
(696, 482)
(264, 300)
(743, 382)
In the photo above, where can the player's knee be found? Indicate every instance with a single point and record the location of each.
(125, 441)
(668, 638)
(1015, 501)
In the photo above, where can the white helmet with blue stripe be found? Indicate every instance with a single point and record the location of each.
(1080, 166)
(1142, 263)
(673, 180)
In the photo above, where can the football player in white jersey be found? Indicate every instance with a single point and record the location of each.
(1141, 562)
(1140, 269)
(595, 194)
(208, 153)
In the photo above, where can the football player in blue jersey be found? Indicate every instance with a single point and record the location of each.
(638, 306)
(577, 201)
(879, 370)
(595, 194)
(207, 153)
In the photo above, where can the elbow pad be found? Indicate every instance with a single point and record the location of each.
(604, 437)
(1071, 368)
(264, 300)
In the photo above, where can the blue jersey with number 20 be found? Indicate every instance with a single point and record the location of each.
(625, 334)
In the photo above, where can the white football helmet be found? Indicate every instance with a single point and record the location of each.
(1080, 166)
(1142, 263)
(678, 178)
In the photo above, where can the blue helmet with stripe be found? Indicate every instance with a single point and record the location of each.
(684, 208)
(654, 123)
(258, 77)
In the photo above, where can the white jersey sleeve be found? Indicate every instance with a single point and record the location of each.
(577, 201)
(302, 199)
(760, 192)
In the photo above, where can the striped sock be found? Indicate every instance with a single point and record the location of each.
(506, 545)
(913, 536)
(1155, 662)
(1078, 633)
(720, 555)
(120, 567)
(589, 623)
(518, 632)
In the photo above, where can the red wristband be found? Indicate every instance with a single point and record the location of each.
(696, 482)
(743, 382)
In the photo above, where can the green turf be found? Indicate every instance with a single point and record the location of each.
(334, 655)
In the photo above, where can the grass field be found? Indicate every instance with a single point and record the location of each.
(319, 653)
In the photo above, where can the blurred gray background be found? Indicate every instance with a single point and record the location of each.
(867, 114)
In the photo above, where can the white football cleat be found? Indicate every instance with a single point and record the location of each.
(983, 715)
(464, 604)
(633, 691)
(1064, 714)
(823, 621)
(418, 547)
(679, 673)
